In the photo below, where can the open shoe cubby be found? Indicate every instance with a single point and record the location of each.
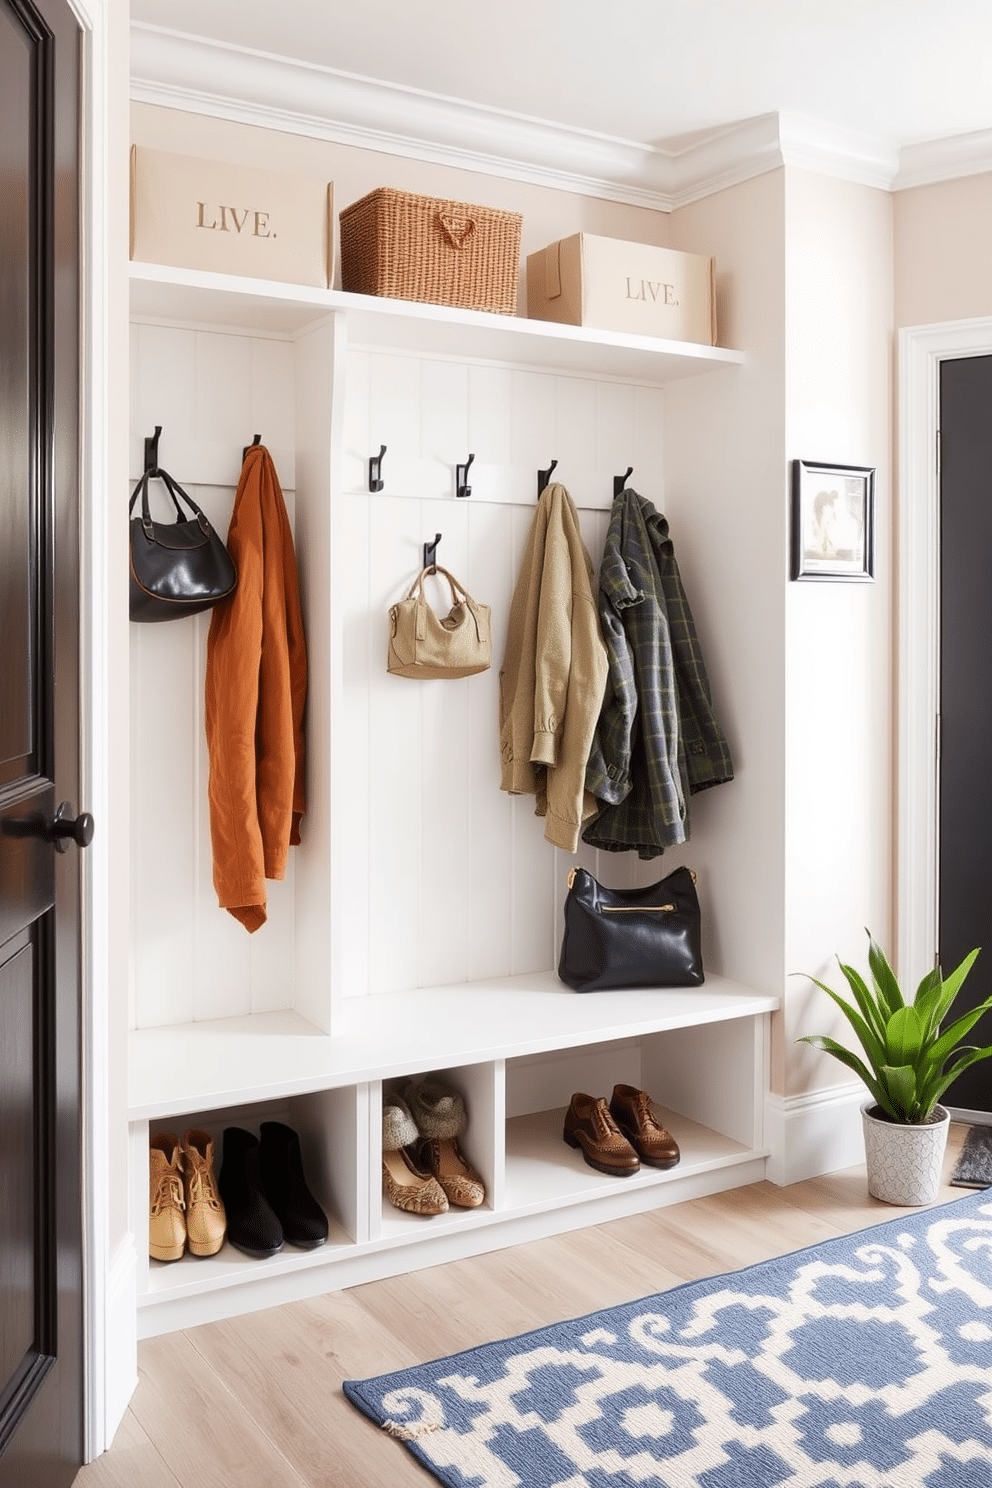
(701, 1055)
(417, 927)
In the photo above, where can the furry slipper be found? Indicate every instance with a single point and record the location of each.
(438, 1111)
(398, 1126)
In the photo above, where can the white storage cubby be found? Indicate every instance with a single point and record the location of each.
(417, 928)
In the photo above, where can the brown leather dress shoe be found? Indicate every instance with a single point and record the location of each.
(590, 1127)
(631, 1110)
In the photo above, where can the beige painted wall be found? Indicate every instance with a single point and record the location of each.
(839, 637)
(724, 441)
(802, 672)
(943, 250)
(547, 214)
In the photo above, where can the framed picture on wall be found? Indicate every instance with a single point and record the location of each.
(833, 521)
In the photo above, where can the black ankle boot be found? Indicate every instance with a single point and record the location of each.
(252, 1226)
(303, 1221)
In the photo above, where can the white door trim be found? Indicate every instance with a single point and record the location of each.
(110, 1370)
(921, 350)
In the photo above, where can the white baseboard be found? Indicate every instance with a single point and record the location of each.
(814, 1133)
(970, 1118)
(120, 1340)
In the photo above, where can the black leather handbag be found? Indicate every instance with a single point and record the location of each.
(177, 568)
(631, 937)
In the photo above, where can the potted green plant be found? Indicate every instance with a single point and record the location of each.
(911, 1060)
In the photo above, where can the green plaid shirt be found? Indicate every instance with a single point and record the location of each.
(657, 741)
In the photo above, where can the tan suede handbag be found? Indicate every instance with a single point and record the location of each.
(421, 644)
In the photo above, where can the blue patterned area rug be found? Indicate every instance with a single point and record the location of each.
(865, 1362)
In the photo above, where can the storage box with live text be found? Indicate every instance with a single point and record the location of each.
(619, 286)
(208, 214)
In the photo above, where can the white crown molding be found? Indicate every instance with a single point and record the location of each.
(209, 77)
(829, 150)
(761, 144)
(945, 159)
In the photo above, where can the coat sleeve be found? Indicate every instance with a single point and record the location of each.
(282, 688)
(553, 656)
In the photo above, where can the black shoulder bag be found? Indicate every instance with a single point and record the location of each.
(177, 568)
(631, 937)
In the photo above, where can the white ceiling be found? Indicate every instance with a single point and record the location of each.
(649, 71)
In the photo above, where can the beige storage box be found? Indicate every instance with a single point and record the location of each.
(207, 214)
(618, 286)
(410, 247)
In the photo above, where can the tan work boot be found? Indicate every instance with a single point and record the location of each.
(166, 1221)
(206, 1222)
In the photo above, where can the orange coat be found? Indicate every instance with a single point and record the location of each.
(256, 687)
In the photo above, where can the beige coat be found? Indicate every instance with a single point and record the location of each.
(554, 672)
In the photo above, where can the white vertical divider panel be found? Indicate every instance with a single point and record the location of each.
(321, 857)
(445, 705)
(490, 575)
(396, 784)
(354, 657)
(488, 851)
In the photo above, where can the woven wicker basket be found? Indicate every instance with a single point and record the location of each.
(410, 247)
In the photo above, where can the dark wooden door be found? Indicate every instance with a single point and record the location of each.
(965, 769)
(41, 1351)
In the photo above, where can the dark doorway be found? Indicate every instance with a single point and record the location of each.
(41, 1347)
(964, 773)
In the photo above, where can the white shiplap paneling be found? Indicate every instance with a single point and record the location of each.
(441, 877)
(210, 392)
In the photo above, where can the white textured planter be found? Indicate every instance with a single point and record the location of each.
(904, 1162)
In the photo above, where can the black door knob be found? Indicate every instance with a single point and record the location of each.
(66, 827)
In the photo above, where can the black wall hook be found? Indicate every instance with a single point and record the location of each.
(151, 449)
(619, 481)
(257, 440)
(544, 477)
(430, 552)
(376, 481)
(462, 488)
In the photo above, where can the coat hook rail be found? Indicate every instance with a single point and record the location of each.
(256, 440)
(462, 488)
(619, 481)
(430, 552)
(544, 477)
(376, 481)
(151, 449)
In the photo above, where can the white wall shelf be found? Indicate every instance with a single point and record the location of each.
(201, 298)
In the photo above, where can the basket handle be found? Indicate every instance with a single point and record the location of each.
(456, 228)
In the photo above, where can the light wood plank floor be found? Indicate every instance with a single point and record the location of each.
(255, 1402)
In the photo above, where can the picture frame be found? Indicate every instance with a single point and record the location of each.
(833, 521)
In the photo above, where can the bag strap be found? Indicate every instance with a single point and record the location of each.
(458, 594)
(177, 494)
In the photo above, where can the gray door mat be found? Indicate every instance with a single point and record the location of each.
(974, 1166)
